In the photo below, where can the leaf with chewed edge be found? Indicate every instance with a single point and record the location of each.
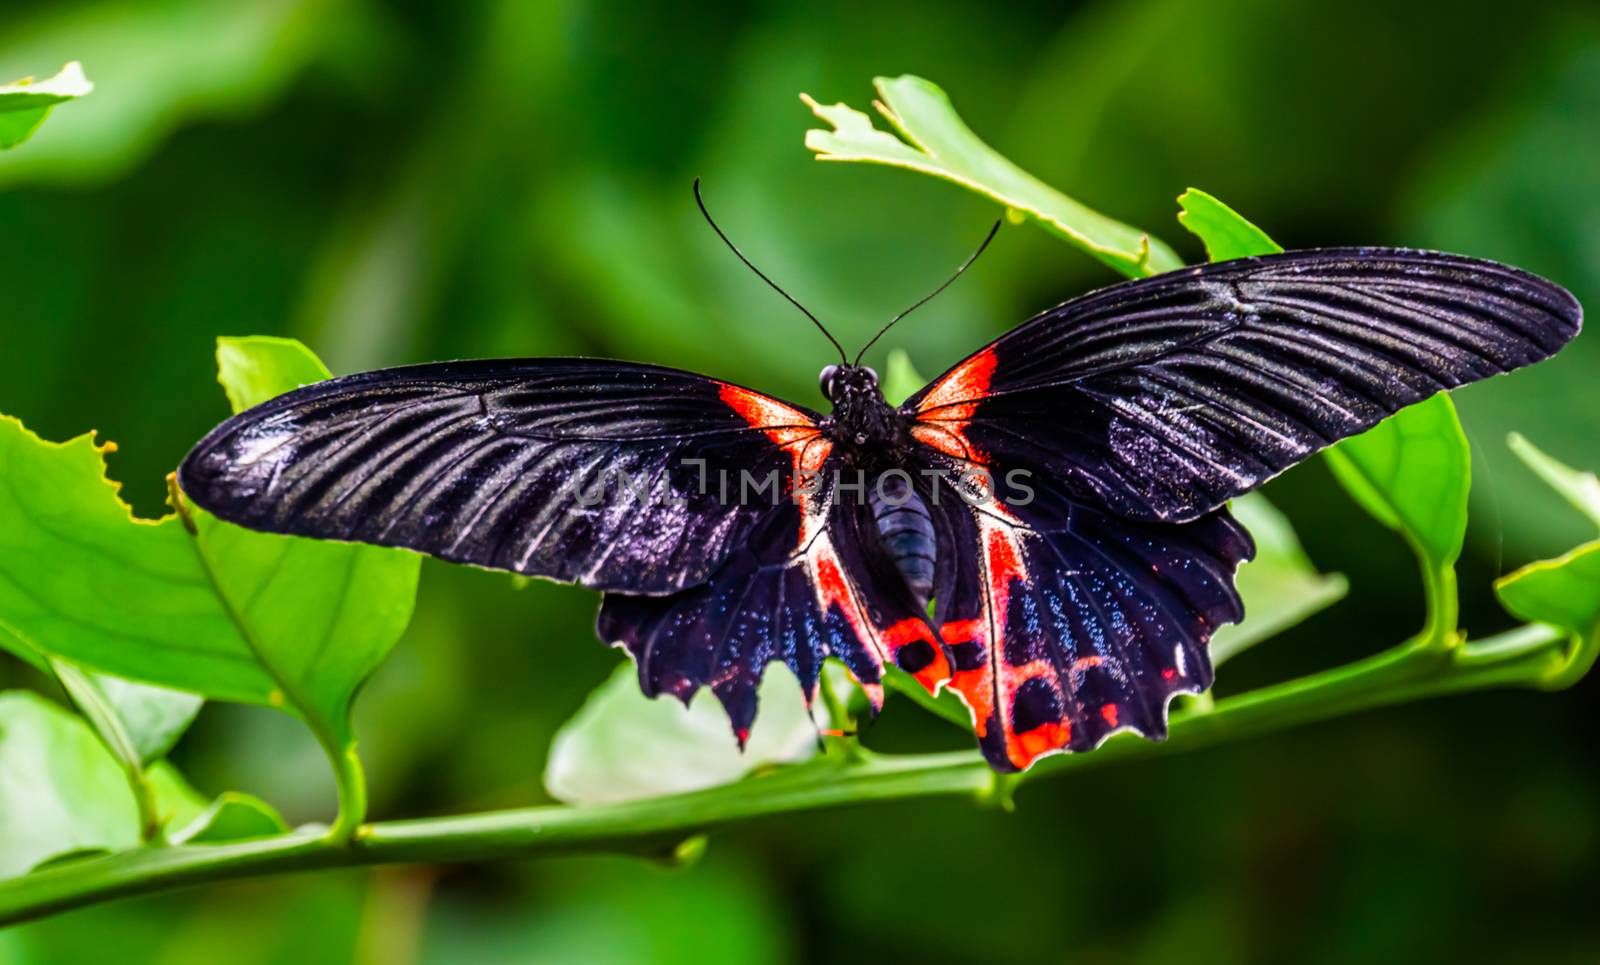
(225, 612)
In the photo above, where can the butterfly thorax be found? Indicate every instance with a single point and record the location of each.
(874, 438)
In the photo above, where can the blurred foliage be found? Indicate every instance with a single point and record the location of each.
(396, 182)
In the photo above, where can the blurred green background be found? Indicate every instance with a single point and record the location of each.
(399, 182)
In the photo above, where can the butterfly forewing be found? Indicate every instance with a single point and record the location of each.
(603, 473)
(1163, 398)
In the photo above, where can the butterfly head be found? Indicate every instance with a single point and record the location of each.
(846, 383)
(860, 415)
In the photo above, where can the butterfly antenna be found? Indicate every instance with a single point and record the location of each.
(929, 297)
(762, 275)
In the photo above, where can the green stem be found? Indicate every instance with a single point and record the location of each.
(352, 780)
(1525, 657)
(1443, 604)
(91, 702)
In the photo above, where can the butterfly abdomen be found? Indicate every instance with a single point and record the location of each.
(906, 529)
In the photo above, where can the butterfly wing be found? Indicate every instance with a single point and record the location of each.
(1064, 624)
(1133, 414)
(608, 474)
(813, 583)
(1162, 398)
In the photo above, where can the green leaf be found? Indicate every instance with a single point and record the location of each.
(225, 612)
(624, 746)
(1581, 489)
(1225, 233)
(1564, 591)
(1412, 472)
(61, 791)
(233, 816)
(255, 368)
(939, 143)
(946, 705)
(136, 722)
(25, 104)
(1280, 587)
(154, 717)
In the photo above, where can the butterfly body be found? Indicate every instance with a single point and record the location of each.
(1059, 496)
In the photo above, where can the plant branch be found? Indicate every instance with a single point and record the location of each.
(1534, 656)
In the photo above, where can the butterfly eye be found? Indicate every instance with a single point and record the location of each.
(872, 375)
(825, 380)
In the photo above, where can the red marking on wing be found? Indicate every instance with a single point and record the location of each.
(790, 429)
(1109, 712)
(833, 591)
(991, 689)
(1024, 749)
(943, 413)
(960, 390)
(786, 426)
(913, 630)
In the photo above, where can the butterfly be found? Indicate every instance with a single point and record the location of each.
(1043, 529)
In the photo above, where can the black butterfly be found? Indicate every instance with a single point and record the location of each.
(1060, 496)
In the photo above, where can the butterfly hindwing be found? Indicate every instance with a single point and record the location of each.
(812, 584)
(607, 474)
(1064, 624)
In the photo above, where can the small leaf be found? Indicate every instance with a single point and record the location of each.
(26, 103)
(1581, 489)
(942, 145)
(1280, 587)
(1224, 232)
(946, 705)
(1564, 591)
(624, 746)
(155, 717)
(233, 816)
(1412, 472)
(254, 368)
(61, 791)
